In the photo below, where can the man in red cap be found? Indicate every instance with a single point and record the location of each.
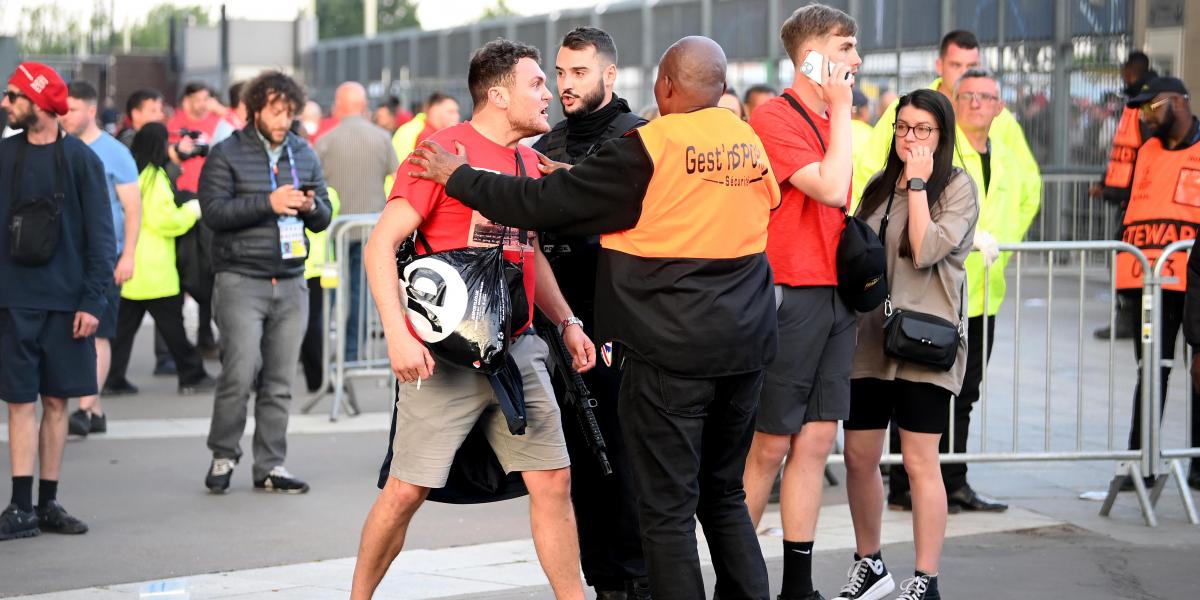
(57, 239)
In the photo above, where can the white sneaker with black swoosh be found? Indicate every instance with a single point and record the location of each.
(868, 580)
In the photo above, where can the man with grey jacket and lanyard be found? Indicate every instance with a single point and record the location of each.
(259, 190)
(605, 508)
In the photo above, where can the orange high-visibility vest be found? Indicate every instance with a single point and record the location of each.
(1124, 150)
(1164, 207)
(711, 193)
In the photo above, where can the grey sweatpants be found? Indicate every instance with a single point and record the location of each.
(262, 323)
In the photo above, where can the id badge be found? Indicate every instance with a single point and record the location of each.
(292, 243)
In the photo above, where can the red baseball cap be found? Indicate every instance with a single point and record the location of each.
(42, 85)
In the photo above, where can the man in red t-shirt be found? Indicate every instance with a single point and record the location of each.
(806, 132)
(193, 114)
(437, 406)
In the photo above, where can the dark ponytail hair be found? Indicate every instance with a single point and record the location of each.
(880, 189)
(150, 146)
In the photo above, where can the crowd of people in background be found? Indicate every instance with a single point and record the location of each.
(227, 203)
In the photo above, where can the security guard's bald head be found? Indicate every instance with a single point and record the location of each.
(691, 75)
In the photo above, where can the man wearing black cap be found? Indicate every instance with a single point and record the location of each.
(57, 240)
(1164, 206)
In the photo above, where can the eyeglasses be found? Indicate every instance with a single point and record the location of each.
(12, 96)
(921, 132)
(972, 97)
(1148, 109)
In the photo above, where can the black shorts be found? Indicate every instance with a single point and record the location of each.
(40, 355)
(809, 380)
(108, 319)
(917, 407)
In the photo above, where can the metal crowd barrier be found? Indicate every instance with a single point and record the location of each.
(1167, 457)
(372, 359)
(1026, 413)
(1022, 416)
(1071, 213)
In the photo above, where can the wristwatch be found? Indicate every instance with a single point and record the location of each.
(569, 321)
(916, 184)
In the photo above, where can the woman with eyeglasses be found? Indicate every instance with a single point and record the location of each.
(925, 210)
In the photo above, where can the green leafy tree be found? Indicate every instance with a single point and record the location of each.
(343, 18)
(154, 33)
(497, 10)
(45, 29)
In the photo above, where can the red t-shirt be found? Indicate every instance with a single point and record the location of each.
(802, 238)
(425, 134)
(448, 224)
(189, 177)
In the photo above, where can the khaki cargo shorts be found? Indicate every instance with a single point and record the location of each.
(431, 423)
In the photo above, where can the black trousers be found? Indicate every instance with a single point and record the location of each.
(168, 318)
(1172, 320)
(688, 440)
(610, 547)
(314, 337)
(954, 475)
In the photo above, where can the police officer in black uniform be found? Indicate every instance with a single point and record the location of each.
(605, 509)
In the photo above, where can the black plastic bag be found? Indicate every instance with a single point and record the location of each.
(458, 303)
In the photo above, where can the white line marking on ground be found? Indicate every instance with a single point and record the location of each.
(146, 429)
(495, 567)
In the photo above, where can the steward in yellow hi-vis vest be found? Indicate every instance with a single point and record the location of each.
(684, 288)
(1164, 200)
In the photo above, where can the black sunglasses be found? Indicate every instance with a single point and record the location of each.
(12, 96)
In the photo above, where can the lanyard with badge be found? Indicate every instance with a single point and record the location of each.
(292, 243)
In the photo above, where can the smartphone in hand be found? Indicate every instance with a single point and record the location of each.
(814, 67)
(308, 187)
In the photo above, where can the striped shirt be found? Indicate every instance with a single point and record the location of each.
(357, 156)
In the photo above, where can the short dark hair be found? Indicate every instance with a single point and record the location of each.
(814, 20)
(269, 86)
(140, 97)
(235, 93)
(959, 37)
(493, 65)
(1138, 61)
(436, 98)
(82, 90)
(195, 86)
(584, 37)
(761, 88)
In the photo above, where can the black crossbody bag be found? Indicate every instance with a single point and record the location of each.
(917, 337)
(34, 222)
(861, 261)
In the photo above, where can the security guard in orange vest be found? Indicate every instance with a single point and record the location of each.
(1118, 175)
(1164, 207)
(684, 287)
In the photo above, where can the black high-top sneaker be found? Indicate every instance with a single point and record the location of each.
(919, 587)
(868, 579)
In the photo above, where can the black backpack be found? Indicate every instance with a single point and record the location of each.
(861, 261)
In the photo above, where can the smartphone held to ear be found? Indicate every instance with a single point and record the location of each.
(816, 68)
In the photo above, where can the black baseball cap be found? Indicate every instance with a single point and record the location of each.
(1154, 87)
